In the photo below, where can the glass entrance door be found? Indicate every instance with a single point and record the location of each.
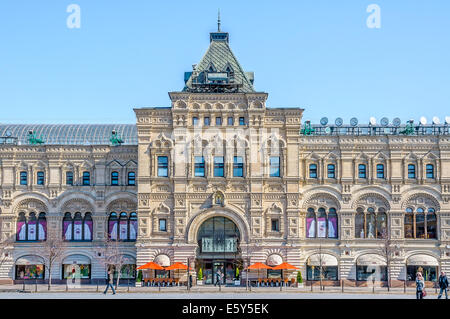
(218, 266)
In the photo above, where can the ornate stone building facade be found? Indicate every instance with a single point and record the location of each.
(223, 180)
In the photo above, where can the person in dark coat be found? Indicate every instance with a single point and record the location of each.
(218, 278)
(420, 285)
(109, 283)
(443, 285)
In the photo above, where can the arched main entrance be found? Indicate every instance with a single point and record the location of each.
(218, 250)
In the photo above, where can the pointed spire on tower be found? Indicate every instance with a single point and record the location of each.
(218, 21)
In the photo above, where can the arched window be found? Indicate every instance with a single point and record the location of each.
(370, 223)
(40, 178)
(411, 171)
(430, 171)
(122, 227)
(69, 178)
(362, 171)
(311, 223)
(312, 171)
(23, 178)
(331, 171)
(78, 228)
(31, 228)
(112, 226)
(114, 178)
(380, 171)
(131, 178)
(322, 225)
(420, 223)
(86, 178)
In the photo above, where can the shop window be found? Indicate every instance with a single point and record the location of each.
(131, 178)
(238, 166)
(370, 224)
(380, 171)
(420, 223)
(331, 171)
(69, 178)
(40, 178)
(122, 227)
(429, 273)
(31, 227)
(362, 171)
(411, 171)
(199, 166)
(322, 224)
(312, 171)
(128, 271)
(114, 178)
(86, 178)
(82, 271)
(24, 272)
(218, 166)
(313, 273)
(23, 178)
(274, 162)
(163, 166)
(430, 171)
(409, 223)
(368, 273)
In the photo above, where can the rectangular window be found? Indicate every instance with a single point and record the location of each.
(331, 171)
(238, 166)
(218, 166)
(206, 121)
(162, 225)
(430, 171)
(163, 166)
(40, 178)
(362, 171)
(23, 178)
(114, 178)
(195, 121)
(275, 225)
(274, 166)
(199, 166)
(380, 171)
(131, 178)
(218, 121)
(231, 121)
(411, 171)
(242, 121)
(86, 178)
(69, 178)
(312, 171)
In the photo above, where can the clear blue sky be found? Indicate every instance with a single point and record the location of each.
(318, 55)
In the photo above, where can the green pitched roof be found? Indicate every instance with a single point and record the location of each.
(220, 58)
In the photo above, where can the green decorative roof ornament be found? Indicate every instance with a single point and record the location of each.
(115, 139)
(409, 129)
(33, 140)
(307, 130)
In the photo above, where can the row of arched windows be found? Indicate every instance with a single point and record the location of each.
(322, 224)
(123, 227)
(420, 223)
(31, 227)
(78, 228)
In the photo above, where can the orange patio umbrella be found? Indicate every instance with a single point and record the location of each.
(151, 265)
(285, 266)
(259, 266)
(178, 266)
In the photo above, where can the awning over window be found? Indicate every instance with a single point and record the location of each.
(422, 260)
(162, 260)
(76, 259)
(327, 260)
(371, 260)
(30, 260)
(274, 260)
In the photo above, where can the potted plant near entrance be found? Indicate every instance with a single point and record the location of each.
(139, 279)
(299, 280)
(200, 277)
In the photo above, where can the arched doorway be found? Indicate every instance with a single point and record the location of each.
(218, 250)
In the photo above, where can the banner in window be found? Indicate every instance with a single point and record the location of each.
(67, 225)
(113, 229)
(21, 231)
(77, 230)
(42, 229)
(32, 230)
(133, 229)
(88, 230)
(321, 227)
(332, 227)
(311, 227)
(123, 229)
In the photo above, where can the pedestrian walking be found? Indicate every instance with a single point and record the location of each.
(218, 278)
(109, 283)
(420, 286)
(443, 285)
